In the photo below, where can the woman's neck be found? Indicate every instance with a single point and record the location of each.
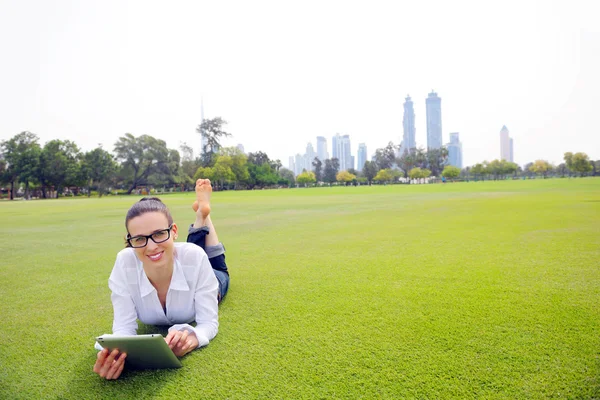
(159, 277)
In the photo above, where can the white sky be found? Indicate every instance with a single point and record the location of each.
(282, 72)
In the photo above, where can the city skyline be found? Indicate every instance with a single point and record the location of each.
(92, 71)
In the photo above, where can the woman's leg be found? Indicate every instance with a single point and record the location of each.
(204, 234)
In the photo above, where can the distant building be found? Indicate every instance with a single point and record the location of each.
(292, 164)
(299, 164)
(408, 124)
(512, 154)
(309, 156)
(361, 156)
(506, 147)
(341, 150)
(433, 105)
(322, 148)
(241, 148)
(455, 151)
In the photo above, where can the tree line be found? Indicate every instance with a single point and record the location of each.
(59, 167)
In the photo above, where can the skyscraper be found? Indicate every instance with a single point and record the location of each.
(455, 151)
(408, 123)
(361, 156)
(322, 148)
(346, 159)
(506, 148)
(309, 156)
(335, 146)
(203, 139)
(433, 105)
(512, 154)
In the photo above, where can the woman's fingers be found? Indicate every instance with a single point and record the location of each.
(183, 339)
(100, 360)
(108, 363)
(117, 367)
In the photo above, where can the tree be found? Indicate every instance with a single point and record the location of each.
(222, 172)
(212, 131)
(385, 157)
(541, 167)
(369, 171)
(189, 164)
(568, 157)
(479, 170)
(140, 158)
(239, 165)
(331, 169)
(451, 172)
(306, 177)
(581, 163)
(98, 167)
(345, 176)
(437, 159)
(21, 156)
(287, 177)
(384, 175)
(318, 168)
(260, 170)
(59, 166)
(417, 173)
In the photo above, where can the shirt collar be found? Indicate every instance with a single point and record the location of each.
(178, 281)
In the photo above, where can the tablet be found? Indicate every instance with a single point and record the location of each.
(143, 351)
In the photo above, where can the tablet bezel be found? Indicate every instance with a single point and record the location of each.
(143, 351)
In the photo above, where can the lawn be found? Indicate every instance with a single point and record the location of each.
(466, 290)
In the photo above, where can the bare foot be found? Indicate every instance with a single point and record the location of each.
(202, 204)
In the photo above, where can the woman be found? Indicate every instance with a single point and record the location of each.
(161, 282)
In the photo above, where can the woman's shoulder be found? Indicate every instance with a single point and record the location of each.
(185, 249)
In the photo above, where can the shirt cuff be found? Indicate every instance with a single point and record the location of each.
(202, 340)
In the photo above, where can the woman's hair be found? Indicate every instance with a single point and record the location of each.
(146, 205)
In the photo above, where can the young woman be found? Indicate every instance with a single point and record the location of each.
(161, 282)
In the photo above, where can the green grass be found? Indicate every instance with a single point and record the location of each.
(470, 290)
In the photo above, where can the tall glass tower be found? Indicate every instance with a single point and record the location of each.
(433, 105)
(408, 123)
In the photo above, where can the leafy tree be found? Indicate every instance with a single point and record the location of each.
(204, 173)
(212, 130)
(541, 167)
(581, 163)
(369, 171)
(318, 168)
(417, 173)
(239, 165)
(568, 157)
(59, 166)
(222, 171)
(260, 170)
(21, 156)
(275, 165)
(287, 177)
(437, 159)
(451, 172)
(384, 175)
(98, 167)
(345, 177)
(331, 169)
(189, 164)
(141, 157)
(561, 169)
(306, 177)
(479, 170)
(385, 157)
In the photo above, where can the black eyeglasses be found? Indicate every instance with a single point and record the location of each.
(157, 237)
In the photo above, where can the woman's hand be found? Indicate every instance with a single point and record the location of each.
(181, 342)
(111, 365)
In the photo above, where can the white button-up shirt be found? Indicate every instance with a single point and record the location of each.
(192, 294)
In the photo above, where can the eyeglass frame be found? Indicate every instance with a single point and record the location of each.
(129, 237)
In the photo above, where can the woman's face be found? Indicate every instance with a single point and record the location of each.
(153, 255)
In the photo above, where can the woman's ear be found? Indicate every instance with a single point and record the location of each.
(174, 230)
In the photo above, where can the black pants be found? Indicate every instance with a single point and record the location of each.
(216, 256)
